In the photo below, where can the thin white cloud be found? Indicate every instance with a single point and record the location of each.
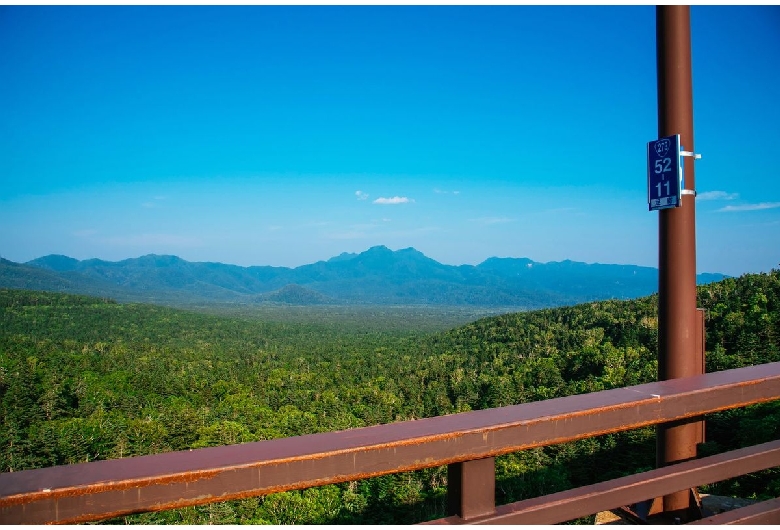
(492, 220)
(393, 200)
(154, 203)
(355, 234)
(716, 196)
(444, 192)
(750, 207)
(166, 240)
(358, 231)
(362, 227)
(361, 196)
(560, 210)
(87, 232)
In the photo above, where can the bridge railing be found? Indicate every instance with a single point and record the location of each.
(466, 442)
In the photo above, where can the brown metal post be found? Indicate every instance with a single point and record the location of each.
(471, 488)
(677, 322)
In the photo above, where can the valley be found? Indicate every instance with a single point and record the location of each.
(84, 378)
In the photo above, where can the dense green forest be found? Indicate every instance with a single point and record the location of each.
(85, 379)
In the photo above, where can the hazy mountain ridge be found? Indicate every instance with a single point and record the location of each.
(375, 276)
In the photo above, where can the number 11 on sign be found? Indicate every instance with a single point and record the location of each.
(667, 186)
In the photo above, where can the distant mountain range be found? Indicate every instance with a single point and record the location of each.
(376, 276)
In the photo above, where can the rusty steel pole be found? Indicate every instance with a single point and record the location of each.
(677, 323)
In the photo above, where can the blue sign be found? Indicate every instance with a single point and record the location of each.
(664, 175)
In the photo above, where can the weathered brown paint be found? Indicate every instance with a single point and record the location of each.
(767, 512)
(587, 500)
(677, 355)
(471, 488)
(98, 490)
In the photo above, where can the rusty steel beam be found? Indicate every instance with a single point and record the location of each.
(767, 512)
(99, 490)
(608, 495)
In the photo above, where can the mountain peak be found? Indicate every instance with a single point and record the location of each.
(157, 260)
(505, 264)
(344, 256)
(55, 262)
(378, 249)
(411, 251)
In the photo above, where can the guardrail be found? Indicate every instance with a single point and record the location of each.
(466, 442)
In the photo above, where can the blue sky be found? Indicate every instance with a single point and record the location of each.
(287, 135)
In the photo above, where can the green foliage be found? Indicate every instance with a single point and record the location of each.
(83, 379)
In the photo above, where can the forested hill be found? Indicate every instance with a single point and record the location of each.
(376, 276)
(606, 344)
(84, 379)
